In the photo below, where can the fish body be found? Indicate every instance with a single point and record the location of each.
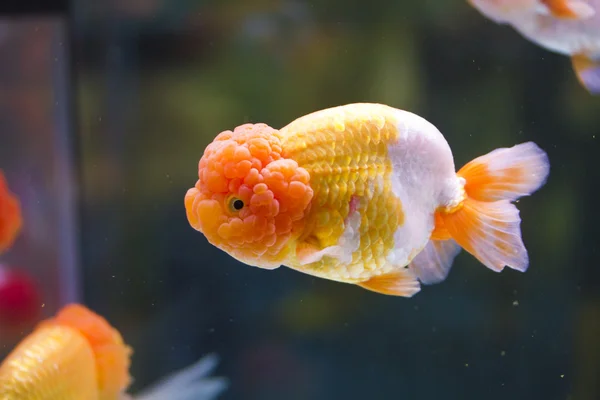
(363, 194)
(77, 355)
(23, 377)
(568, 27)
(366, 218)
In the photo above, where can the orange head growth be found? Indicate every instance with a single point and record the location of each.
(249, 201)
(112, 355)
(10, 216)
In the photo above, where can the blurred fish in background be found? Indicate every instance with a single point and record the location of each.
(20, 295)
(20, 301)
(569, 27)
(10, 215)
(79, 355)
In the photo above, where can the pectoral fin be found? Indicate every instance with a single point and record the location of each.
(401, 282)
(307, 253)
(348, 243)
(570, 9)
(588, 72)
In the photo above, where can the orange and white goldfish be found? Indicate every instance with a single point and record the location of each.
(78, 355)
(569, 27)
(364, 194)
(10, 216)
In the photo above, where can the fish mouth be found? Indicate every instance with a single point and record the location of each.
(202, 213)
(208, 216)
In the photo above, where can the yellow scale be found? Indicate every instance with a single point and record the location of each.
(345, 151)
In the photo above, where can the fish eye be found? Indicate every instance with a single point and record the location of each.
(236, 204)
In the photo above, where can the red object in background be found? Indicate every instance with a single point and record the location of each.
(20, 298)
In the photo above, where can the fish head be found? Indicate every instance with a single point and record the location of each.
(506, 11)
(249, 201)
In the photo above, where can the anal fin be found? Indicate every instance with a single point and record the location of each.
(401, 282)
(588, 72)
(433, 263)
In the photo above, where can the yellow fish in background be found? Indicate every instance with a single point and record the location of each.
(569, 27)
(363, 194)
(77, 355)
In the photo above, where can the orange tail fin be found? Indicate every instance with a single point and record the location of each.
(486, 223)
(112, 355)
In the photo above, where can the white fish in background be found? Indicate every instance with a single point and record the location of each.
(569, 27)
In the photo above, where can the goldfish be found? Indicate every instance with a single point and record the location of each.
(78, 355)
(568, 27)
(364, 194)
(10, 215)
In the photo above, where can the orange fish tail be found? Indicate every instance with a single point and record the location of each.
(486, 223)
(111, 354)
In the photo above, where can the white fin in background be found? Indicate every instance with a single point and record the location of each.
(189, 383)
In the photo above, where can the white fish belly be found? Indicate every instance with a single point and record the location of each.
(424, 178)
